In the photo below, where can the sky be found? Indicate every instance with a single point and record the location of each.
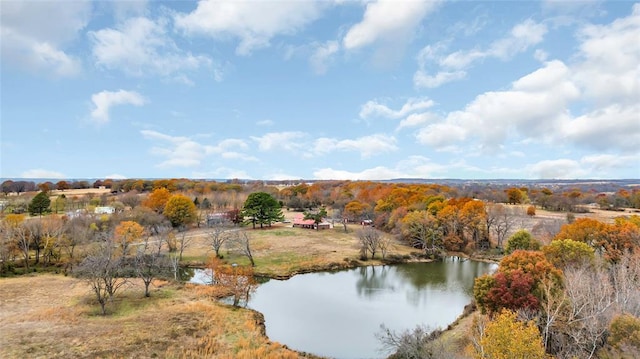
(285, 90)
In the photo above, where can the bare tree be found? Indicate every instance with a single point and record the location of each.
(369, 240)
(417, 343)
(590, 293)
(183, 242)
(103, 270)
(150, 266)
(501, 221)
(384, 244)
(218, 235)
(241, 243)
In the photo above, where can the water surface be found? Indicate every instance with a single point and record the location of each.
(337, 314)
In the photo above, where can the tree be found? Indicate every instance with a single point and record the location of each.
(262, 208)
(239, 280)
(62, 185)
(500, 220)
(567, 252)
(522, 239)
(180, 210)
(149, 266)
(422, 230)
(417, 343)
(240, 242)
(531, 211)
(586, 230)
(127, 232)
(506, 337)
(370, 239)
(104, 272)
(157, 199)
(217, 235)
(40, 204)
(317, 217)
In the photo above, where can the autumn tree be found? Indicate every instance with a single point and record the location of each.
(586, 230)
(506, 337)
(422, 230)
(522, 239)
(238, 280)
(126, 233)
(40, 204)
(261, 208)
(567, 252)
(180, 211)
(157, 199)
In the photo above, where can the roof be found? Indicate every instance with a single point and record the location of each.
(299, 219)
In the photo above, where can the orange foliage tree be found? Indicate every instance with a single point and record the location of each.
(157, 199)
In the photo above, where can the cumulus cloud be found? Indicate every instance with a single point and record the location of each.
(323, 55)
(535, 106)
(105, 100)
(387, 21)
(141, 46)
(288, 141)
(412, 167)
(182, 151)
(374, 108)
(367, 145)
(254, 23)
(452, 67)
(36, 34)
(42, 173)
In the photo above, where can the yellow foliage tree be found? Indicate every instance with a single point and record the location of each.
(126, 233)
(506, 337)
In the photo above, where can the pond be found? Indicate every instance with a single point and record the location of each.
(337, 314)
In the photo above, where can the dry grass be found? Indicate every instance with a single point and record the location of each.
(49, 316)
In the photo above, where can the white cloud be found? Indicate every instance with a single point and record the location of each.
(387, 21)
(534, 107)
(417, 119)
(114, 176)
(367, 146)
(412, 167)
(423, 80)
(451, 66)
(41, 173)
(140, 46)
(556, 169)
(181, 151)
(377, 173)
(522, 37)
(103, 101)
(254, 23)
(323, 55)
(376, 109)
(613, 127)
(601, 164)
(610, 55)
(35, 34)
(265, 123)
(279, 140)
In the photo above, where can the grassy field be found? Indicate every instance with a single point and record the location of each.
(53, 316)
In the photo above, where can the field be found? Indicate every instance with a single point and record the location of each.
(54, 316)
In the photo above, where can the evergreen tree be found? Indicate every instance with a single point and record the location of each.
(39, 204)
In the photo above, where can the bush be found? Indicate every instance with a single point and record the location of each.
(521, 240)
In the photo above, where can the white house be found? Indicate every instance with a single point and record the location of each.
(104, 210)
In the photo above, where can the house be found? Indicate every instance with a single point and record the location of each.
(299, 221)
(366, 222)
(104, 210)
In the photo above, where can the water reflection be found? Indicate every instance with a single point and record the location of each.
(337, 314)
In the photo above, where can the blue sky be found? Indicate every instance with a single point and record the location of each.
(320, 90)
